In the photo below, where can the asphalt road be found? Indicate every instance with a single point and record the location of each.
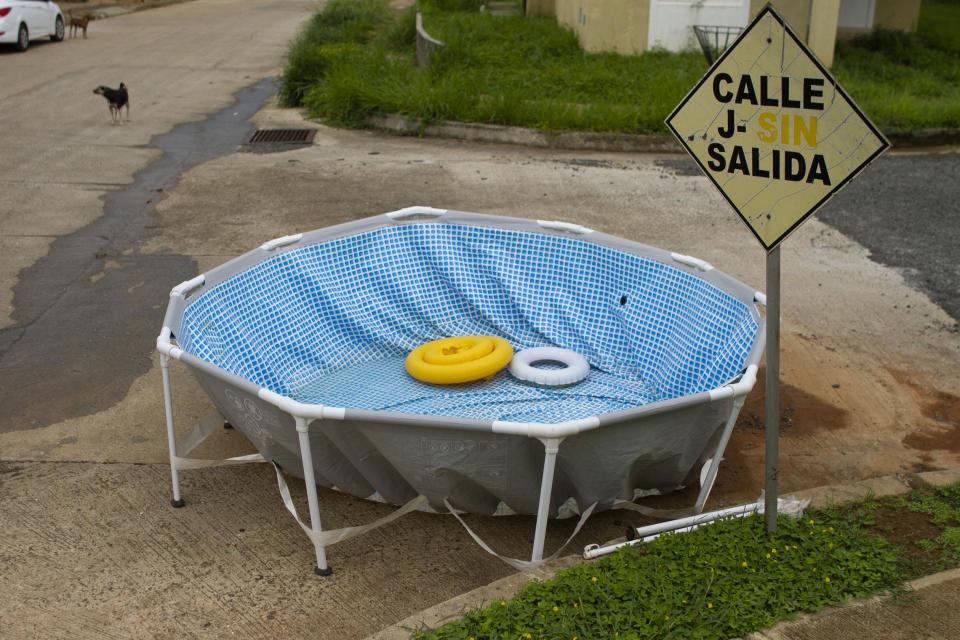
(906, 210)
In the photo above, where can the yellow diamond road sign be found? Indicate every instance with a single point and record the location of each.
(773, 130)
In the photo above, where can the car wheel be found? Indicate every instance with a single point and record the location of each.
(23, 38)
(58, 31)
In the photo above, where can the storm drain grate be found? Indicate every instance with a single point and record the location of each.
(282, 136)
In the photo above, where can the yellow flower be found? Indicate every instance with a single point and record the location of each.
(503, 603)
(811, 522)
(593, 579)
(556, 609)
(827, 579)
(774, 550)
(575, 605)
(709, 605)
(769, 556)
(744, 564)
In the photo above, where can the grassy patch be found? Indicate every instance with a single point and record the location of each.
(729, 578)
(907, 80)
(344, 25)
(356, 58)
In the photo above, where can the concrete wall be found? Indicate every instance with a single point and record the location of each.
(795, 12)
(899, 15)
(623, 25)
(605, 25)
(541, 8)
(896, 14)
(814, 21)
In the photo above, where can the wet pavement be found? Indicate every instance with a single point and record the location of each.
(71, 328)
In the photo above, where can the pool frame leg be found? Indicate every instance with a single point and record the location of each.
(306, 456)
(714, 467)
(177, 500)
(551, 447)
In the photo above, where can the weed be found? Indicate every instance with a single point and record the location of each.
(527, 71)
(720, 581)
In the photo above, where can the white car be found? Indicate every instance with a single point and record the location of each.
(24, 20)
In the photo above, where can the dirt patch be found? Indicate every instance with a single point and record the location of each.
(903, 529)
(903, 526)
(941, 408)
(934, 439)
(741, 473)
(937, 405)
(926, 463)
(801, 412)
(803, 415)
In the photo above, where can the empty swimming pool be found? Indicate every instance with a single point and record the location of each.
(300, 344)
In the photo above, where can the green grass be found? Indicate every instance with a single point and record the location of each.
(356, 58)
(343, 26)
(907, 81)
(730, 578)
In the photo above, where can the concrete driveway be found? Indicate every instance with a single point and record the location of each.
(98, 221)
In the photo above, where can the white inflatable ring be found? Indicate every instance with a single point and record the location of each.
(575, 369)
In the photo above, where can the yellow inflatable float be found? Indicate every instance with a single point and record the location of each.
(459, 359)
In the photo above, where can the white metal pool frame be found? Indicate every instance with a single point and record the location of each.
(550, 435)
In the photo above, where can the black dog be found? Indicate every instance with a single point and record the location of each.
(117, 99)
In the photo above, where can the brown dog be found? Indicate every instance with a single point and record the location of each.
(79, 23)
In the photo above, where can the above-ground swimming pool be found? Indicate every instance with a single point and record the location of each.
(300, 344)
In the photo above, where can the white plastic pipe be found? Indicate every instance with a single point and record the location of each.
(551, 447)
(177, 501)
(646, 533)
(691, 261)
(407, 212)
(306, 455)
(559, 225)
(276, 243)
(693, 526)
(714, 465)
(741, 388)
(187, 286)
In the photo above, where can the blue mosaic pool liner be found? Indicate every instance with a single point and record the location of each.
(331, 322)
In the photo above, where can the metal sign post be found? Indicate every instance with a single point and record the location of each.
(771, 455)
(771, 128)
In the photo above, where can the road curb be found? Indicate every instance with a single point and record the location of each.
(104, 11)
(924, 137)
(819, 497)
(595, 141)
(500, 134)
(779, 631)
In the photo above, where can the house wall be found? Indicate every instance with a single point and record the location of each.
(795, 12)
(546, 8)
(605, 25)
(623, 25)
(814, 22)
(897, 14)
